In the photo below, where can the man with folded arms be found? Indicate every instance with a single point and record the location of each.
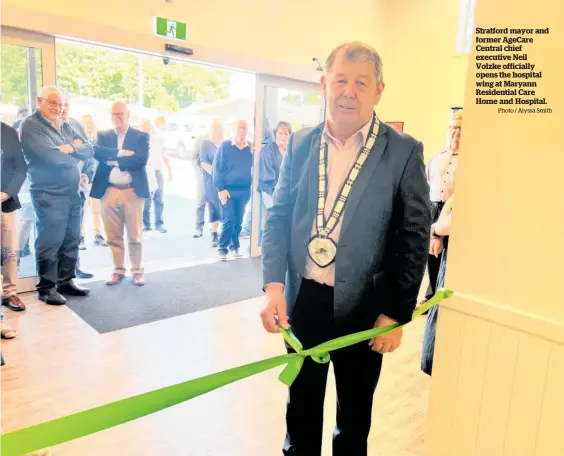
(121, 183)
(53, 151)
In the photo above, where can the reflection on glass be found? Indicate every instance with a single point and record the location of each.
(21, 82)
(299, 109)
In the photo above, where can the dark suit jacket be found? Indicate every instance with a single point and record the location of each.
(14, 168)
(384, 240)
(106, 149)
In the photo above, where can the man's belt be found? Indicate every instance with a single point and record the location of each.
(121, 186)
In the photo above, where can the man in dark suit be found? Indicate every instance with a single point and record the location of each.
(121, 183)
(53, 150)
(344, 248)
(14, 169)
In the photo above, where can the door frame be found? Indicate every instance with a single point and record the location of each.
(46, 44)
(262, 82)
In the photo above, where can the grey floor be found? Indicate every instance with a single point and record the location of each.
(173, 250)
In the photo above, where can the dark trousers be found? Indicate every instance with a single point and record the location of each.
(232, 219)
(157, 199)
(434, 263)
(212, 201)
(58, 236)
(83, 197)
(200, 199)
(429, 336)
(357, 370)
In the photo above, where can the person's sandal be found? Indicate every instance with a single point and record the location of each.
(7, 333)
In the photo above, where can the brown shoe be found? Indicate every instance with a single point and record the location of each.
(115, 279)
(13, 303)
(138, 279)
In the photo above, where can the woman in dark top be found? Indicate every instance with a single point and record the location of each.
(441, 228)
(270, 160)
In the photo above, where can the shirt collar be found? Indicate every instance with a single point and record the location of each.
(124, 133)
(49, 121)
(233, 143)
(361, 134)
(447, 151)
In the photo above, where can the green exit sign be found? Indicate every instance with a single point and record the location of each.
(170, 29)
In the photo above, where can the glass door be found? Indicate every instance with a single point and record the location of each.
(28, 63)
(298, 103)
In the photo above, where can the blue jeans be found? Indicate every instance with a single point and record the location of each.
(232, 217)
(58, 236)
(200, 199)
(157, 199)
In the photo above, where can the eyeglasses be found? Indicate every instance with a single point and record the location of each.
(53, 103)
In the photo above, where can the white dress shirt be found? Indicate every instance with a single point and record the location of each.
(157, 151)
(340, 159)
(117, 176)
(440, 175)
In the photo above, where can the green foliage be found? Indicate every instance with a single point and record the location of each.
(111, 74)
(100, 72)
(14, 74)
(309, 98)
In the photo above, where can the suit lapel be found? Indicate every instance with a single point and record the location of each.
(126, 138)
(361, 184)
(313, 171)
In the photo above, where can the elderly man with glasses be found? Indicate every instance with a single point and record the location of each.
(53, 150)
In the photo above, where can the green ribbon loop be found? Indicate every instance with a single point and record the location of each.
(88, 422)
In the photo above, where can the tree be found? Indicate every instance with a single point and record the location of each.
(299, 98)
(14, 74)
(111, 74)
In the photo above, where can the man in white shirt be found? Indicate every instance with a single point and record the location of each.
(441, 171)
(155, 167)
(122, 185)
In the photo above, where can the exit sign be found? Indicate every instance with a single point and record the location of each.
(170, 29)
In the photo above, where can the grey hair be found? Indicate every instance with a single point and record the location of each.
(48, 90)
(357, 52)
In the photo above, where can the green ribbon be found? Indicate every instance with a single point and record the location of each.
(88, 422)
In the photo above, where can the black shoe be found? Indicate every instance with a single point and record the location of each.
(52, 298)
(161, 229)
(83, 275)
(72, 289)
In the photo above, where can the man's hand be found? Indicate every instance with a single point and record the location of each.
(436, 247)
(224, 196)
(66, 149)
(84, 181)
(125, 153)
(275, 310)
(386, 343)
(5, 196)
(112, 163)
(77, 142)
